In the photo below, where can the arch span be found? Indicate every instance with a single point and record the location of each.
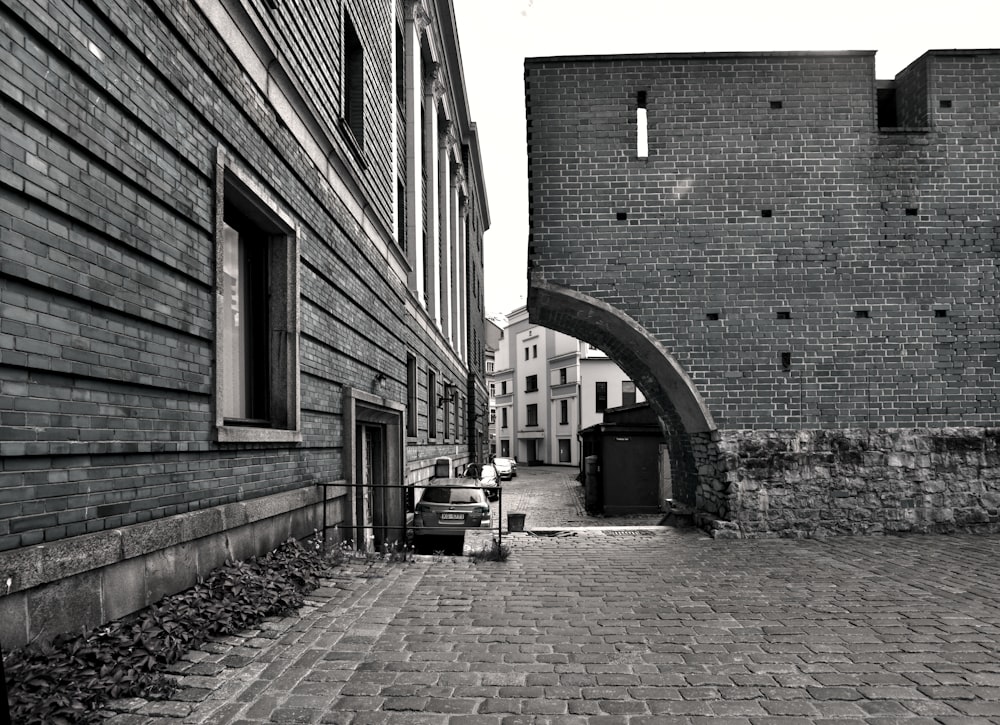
(668, 388)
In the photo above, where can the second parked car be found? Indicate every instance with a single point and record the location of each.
(506, 467)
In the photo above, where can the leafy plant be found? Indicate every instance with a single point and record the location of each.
(67, 680)
(494, 551)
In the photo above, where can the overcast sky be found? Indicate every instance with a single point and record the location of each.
(497, 35)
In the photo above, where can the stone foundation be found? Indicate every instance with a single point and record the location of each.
(816, 483)
(87, 580)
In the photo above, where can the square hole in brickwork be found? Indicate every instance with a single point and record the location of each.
(786, 361)
(766, 213)
(621, 216)
(777, 104)
(862, 314)
(912, 211)
(784, 315)
(940, 313)
(712, 316)
(945, 104)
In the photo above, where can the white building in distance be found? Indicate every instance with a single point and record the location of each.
(545, 387)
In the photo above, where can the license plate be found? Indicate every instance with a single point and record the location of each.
(452, 517)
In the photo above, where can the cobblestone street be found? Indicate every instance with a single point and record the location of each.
(621, 621)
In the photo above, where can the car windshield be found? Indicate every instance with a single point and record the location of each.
(447, 494)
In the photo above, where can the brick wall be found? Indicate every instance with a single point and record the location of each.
(805, 269)
(113, 116)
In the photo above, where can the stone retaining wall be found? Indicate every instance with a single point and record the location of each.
(813, 483)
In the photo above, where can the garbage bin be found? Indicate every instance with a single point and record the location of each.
(515, 522)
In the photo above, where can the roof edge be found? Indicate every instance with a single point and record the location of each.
(699, 56)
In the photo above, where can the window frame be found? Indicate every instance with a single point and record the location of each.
(600, 396)
(531, 415)
(238, 189)
(352, 99)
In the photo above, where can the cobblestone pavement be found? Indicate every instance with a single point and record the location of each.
(614, 624)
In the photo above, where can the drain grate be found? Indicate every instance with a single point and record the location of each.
(628, 532)
(550, 533)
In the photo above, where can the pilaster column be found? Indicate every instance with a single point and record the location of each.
(416, 18)
(431, 248)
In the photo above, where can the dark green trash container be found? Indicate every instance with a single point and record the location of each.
(515, 522)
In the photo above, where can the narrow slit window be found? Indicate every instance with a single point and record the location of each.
(641, 127)
(354, 81)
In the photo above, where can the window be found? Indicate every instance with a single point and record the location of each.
(400, 70)
(527, 353)
(562, 376)
(493, 416)
(503, 387)
(564, 412)
(354, 81)
(432, 424)
(601, 391)
(411, 396)
(641, 127)
(503, 417)
(628, 392)
(493, 390)
(489, 366)
(531, 384)
(532, 414)
(534, 351)
(256, 345)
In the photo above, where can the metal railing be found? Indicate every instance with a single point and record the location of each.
(406, 503)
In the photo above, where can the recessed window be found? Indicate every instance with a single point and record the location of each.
(354, 81)
(786, 361)
(257, 373)
(628, 392)
(432, 393)
(600, 396)
(563, 412)
(531, 384)
(562, 376)
(411, 395)
(531, 414)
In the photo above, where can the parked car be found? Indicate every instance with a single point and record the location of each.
(450, 506)
(506, 467)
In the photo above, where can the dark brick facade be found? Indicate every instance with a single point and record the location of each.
(115, 115)
(806, 267)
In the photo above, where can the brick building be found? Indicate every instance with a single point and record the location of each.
(796, 262)
(241, 287)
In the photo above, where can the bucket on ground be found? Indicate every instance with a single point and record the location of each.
(515, 522)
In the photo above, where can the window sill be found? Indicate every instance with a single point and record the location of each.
(234, 434)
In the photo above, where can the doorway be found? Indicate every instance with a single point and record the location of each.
(375, 510)
(371, 499)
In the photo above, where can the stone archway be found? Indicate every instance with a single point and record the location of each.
(687, 423)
